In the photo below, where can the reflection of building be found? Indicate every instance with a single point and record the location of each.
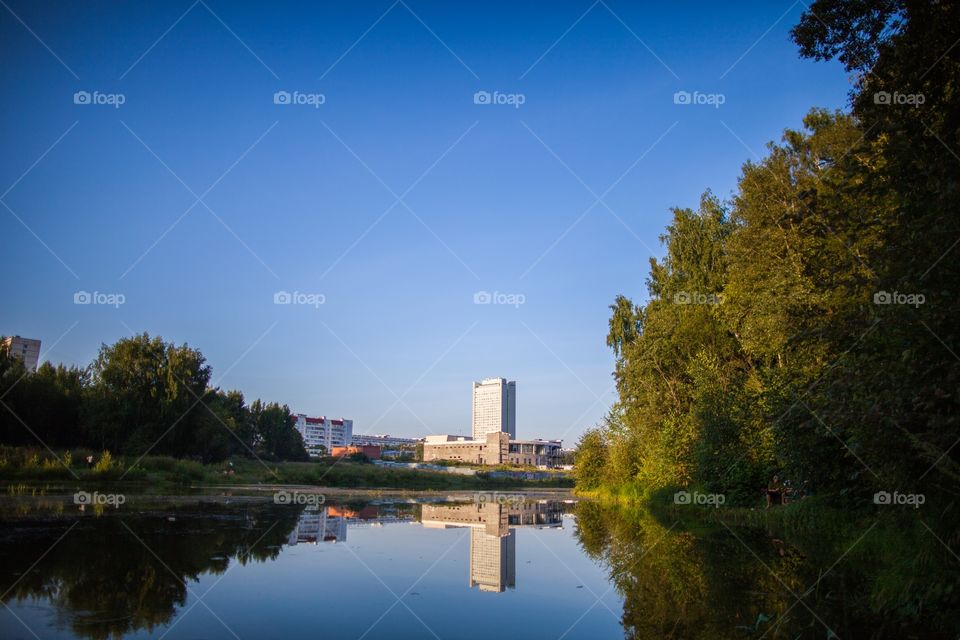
(324, 432)
(493, 542)
(493, 561)
(328, 523)
(494, 407)
(27, 349)
(317, 525)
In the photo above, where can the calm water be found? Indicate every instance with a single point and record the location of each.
(247, 568)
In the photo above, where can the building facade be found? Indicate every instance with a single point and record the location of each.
(494, 407)
(372, 451)
(536, 453)
(495, 448)
(321, 435)
(27, 349)
(384, 440)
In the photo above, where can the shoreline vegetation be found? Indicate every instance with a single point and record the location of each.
(26, 465)
(799, 339)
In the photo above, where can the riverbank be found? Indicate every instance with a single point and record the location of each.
(163, 473)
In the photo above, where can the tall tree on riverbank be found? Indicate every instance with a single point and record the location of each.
(811, 328)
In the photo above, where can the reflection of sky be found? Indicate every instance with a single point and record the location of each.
(331, 591)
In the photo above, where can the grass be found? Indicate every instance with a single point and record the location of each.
(19, 464)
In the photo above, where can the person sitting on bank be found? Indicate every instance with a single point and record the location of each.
(774, 492)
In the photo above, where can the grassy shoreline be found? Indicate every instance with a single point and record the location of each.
(19, 465)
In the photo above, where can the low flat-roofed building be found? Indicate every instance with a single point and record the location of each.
(490, 451)
(384, 440)
(496, 449)
(371, 451)
(537, 453)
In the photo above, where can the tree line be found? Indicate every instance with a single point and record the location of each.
(807, 326)
(140, 395)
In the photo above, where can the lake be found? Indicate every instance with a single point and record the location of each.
(466, 566)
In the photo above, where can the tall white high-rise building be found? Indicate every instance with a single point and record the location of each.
(494, 407)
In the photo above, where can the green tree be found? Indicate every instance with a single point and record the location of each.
(589, 459)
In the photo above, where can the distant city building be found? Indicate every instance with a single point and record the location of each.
(492, 449)
(496, 448)
(538, 453)
(372, 451)
(384, 440)
(27, 349)
(494, 407)
(324, 432)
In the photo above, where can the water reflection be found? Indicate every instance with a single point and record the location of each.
(711, 580)
(113, 573)
(113, 576)
(329, 523)
(493, 537)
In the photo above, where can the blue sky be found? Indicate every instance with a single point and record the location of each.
(397, 199)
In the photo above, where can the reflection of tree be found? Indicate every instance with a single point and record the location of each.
(106, 582)
(710, 582)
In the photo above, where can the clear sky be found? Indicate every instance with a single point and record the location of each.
(394, 202)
